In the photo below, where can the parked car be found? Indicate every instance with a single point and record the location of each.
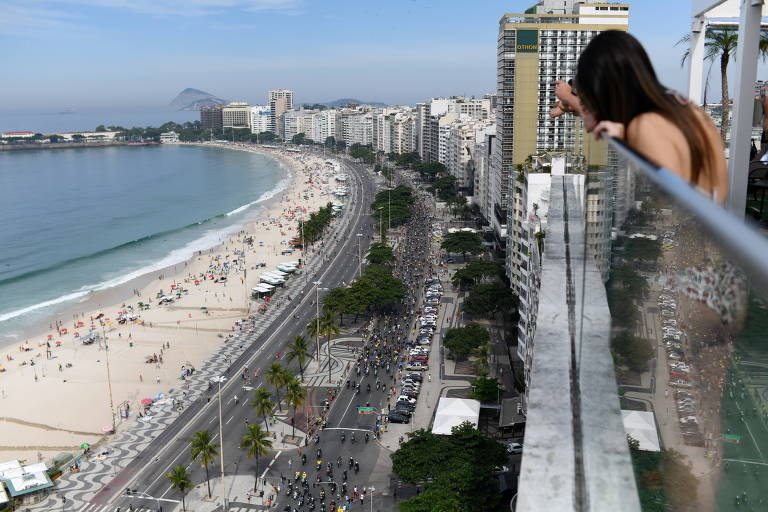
(514, 448)
(398, 417)
(419, 367)
(415, 376)
(406, 399)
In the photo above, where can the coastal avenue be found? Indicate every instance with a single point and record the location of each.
(146, 473)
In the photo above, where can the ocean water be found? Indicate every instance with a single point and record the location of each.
(51, 121)
(75, 221)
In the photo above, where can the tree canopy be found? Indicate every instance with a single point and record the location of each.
(489, 298)
(462, 340)
(430, 170)
(379, 253)
(631, 351)
(378, 288)
(444, 187)
(312, 228)
(643, 249)
(365, 153)
(395, 203)
(474, 272)
(485, 389)
(462, 242)
(457, 470)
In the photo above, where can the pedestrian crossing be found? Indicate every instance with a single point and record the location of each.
(168, 506)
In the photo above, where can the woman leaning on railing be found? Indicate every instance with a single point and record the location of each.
(617, 94)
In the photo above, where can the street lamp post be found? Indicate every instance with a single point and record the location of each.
(359, 256)
(219, 380)
(317, 321)
(380, 209)
(109, 379)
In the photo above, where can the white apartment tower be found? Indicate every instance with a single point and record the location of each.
(260, 118)
(280, 101)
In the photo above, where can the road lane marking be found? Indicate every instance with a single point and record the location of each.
(304, 298)
(270, 463)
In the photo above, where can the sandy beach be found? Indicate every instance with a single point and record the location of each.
(53, 390)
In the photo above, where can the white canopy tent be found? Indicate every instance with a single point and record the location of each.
(452, 412)
(641, 426)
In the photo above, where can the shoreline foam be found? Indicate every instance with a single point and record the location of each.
(73, 399)
(175, 256)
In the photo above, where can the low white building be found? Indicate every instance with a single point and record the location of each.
(169, 138)
(27, 484)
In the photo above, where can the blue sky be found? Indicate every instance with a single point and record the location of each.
(98, 53)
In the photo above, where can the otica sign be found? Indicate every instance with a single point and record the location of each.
(527, 41)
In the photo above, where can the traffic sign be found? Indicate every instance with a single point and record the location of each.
(366, 410)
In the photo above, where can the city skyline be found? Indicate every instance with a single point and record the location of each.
(131, 54)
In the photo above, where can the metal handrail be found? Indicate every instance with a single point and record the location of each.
(746, 247)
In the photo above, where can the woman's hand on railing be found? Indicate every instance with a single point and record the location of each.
(608, 129)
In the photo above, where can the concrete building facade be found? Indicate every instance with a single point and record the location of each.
(236, 115)
(211, 118)
(280, 101)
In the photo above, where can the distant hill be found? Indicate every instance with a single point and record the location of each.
(194, 99)
(344, 101)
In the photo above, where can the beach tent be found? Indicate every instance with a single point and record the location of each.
(641, 425)
(22, 480)
(452, 412)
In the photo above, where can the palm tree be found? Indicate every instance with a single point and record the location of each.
(180, 480)
(276, 377)
(202, 446)
(298, 350)
(256, 442)
(295, 395)
(723, 43)
(314, 330)
(482, 352)
(328, 327)
(263, 404)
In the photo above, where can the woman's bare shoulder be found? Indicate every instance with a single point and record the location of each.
(650, 124)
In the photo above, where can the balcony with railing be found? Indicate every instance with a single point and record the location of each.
(650, 391)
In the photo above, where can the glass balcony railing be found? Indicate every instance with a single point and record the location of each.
(689, 342)
(648, 380)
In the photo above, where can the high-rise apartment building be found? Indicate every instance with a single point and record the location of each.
(323, 125)
(236, 115)
(535, 49)
(211, 118)
(280, 101)
(260, 118)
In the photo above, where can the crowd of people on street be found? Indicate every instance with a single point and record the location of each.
(372, 381)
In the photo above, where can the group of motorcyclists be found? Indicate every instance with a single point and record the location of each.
(380, 352)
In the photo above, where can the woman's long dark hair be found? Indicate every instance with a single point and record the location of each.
(615, 81)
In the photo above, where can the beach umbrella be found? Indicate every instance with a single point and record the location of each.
(85, 445)
(64, 330)
(50, 336)
(147, 401)
(107, 430)
(58, 343)
(80, 324)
